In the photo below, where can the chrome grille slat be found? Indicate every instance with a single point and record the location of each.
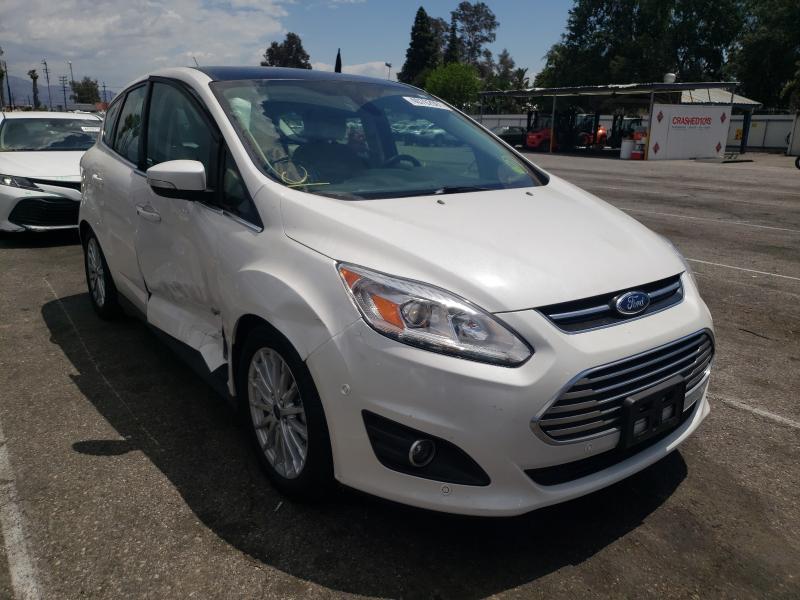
(581, 412)
(663, 291)
(591, 379)
(579, 417)
(593, 391)
(597, 311)
(604, 401)
(562, 431)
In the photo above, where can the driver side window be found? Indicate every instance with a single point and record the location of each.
(177, 130)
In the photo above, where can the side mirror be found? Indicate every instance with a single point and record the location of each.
(184, 179)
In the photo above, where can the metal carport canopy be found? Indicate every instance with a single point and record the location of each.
(612, 89)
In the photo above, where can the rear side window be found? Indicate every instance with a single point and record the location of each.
(108, 123)
(176, 130)
(129, 128)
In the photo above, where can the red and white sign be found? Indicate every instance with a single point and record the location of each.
(682, 131)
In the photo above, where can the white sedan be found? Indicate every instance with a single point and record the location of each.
(448, 326)
(40, 180)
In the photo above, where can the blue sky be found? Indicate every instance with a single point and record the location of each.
(378, 30)
(117, 40)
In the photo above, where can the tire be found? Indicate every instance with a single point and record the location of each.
(102, 291)
(277, 434)
(797, 162)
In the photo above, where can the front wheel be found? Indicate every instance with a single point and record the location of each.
(797, 162)
(102, 291)
(284, 416)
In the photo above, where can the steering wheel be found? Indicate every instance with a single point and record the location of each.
(398, 158)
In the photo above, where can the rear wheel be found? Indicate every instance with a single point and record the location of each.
(284, 416)
(102, 291)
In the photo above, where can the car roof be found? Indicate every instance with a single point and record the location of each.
(240, 73)
(42, 114)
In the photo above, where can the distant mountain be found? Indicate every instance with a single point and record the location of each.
(22, 91)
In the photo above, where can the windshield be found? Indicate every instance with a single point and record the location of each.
(359, 140)
(36, 135)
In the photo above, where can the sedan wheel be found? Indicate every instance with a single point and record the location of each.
(278, 414)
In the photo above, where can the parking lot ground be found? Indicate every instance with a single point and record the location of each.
(130, 478)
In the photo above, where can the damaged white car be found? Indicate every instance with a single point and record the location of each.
(446, 326)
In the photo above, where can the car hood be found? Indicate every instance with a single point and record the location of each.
(42, 165)
(504, 250)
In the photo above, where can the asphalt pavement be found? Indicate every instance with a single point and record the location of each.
(124, 476)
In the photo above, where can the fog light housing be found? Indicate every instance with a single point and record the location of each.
(421, 453)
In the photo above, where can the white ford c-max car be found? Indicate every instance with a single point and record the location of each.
(40, 181)
(445, 326)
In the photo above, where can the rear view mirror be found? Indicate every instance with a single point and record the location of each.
(185, 179)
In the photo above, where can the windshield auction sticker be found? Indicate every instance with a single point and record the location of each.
(426, 102)
(90, 129)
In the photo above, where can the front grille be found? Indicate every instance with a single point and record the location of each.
(598, 311)
(45, 212)
(73, 185)
(571, 471)
(592, 405)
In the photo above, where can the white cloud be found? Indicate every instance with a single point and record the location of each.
(117, 40)
(369, 69)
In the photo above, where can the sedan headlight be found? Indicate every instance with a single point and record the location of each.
(427, 317)
(20, 182)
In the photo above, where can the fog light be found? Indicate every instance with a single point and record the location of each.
(421, 453)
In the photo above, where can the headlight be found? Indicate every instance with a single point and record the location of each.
(20, 182)
(427, 317)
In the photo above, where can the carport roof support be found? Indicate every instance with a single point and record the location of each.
(613, 89)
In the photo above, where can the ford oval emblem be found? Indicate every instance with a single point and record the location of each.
(632, 303)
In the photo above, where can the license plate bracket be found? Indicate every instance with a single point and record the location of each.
(653, 411)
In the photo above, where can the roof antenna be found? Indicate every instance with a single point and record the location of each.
(196, 64)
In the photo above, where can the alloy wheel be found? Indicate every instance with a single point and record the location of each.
(95, 272)
(277, 411)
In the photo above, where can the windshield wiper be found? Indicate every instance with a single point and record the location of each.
(460, 189)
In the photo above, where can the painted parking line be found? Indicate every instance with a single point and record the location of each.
(20, 567)
(721, 221)
(706, 262)
(756, 411)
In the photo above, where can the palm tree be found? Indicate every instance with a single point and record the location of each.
(34, 76)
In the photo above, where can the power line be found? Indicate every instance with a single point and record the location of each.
(104, 93)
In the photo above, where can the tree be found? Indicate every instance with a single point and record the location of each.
(423, 52)
(765, 57)
(457, 83)
(85, 91)
(476, 25)
(453, 51)
(440, 29)
(289, 53)
(623, 41)
(337, 67)
(34, 76)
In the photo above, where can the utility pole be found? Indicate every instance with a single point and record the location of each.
(63, 81)
(71, 76)
(104, 93)
(47, 77)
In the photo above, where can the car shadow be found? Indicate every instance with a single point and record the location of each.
(351, 543)
(44, 239)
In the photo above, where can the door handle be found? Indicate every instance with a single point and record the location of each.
(147, 213)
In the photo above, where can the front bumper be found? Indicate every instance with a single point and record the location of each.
(38, 210)
(486, 410)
